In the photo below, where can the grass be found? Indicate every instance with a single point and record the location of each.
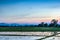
(34, 29)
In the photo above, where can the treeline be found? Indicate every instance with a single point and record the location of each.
(54, 23)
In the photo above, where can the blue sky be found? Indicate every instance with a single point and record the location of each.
(24, 10)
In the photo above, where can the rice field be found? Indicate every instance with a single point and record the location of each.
(34, 29)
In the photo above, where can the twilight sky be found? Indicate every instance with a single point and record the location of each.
(29, 11)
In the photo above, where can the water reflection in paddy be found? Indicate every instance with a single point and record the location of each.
(26, 38)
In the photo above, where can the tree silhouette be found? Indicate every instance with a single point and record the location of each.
(41, 24)
(53, 23)
(45, 25)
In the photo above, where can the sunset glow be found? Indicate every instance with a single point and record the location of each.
(29, 11)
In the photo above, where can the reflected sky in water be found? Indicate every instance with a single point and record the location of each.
(26, 38)
(19, 37)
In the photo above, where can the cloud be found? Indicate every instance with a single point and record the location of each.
(25, 10)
